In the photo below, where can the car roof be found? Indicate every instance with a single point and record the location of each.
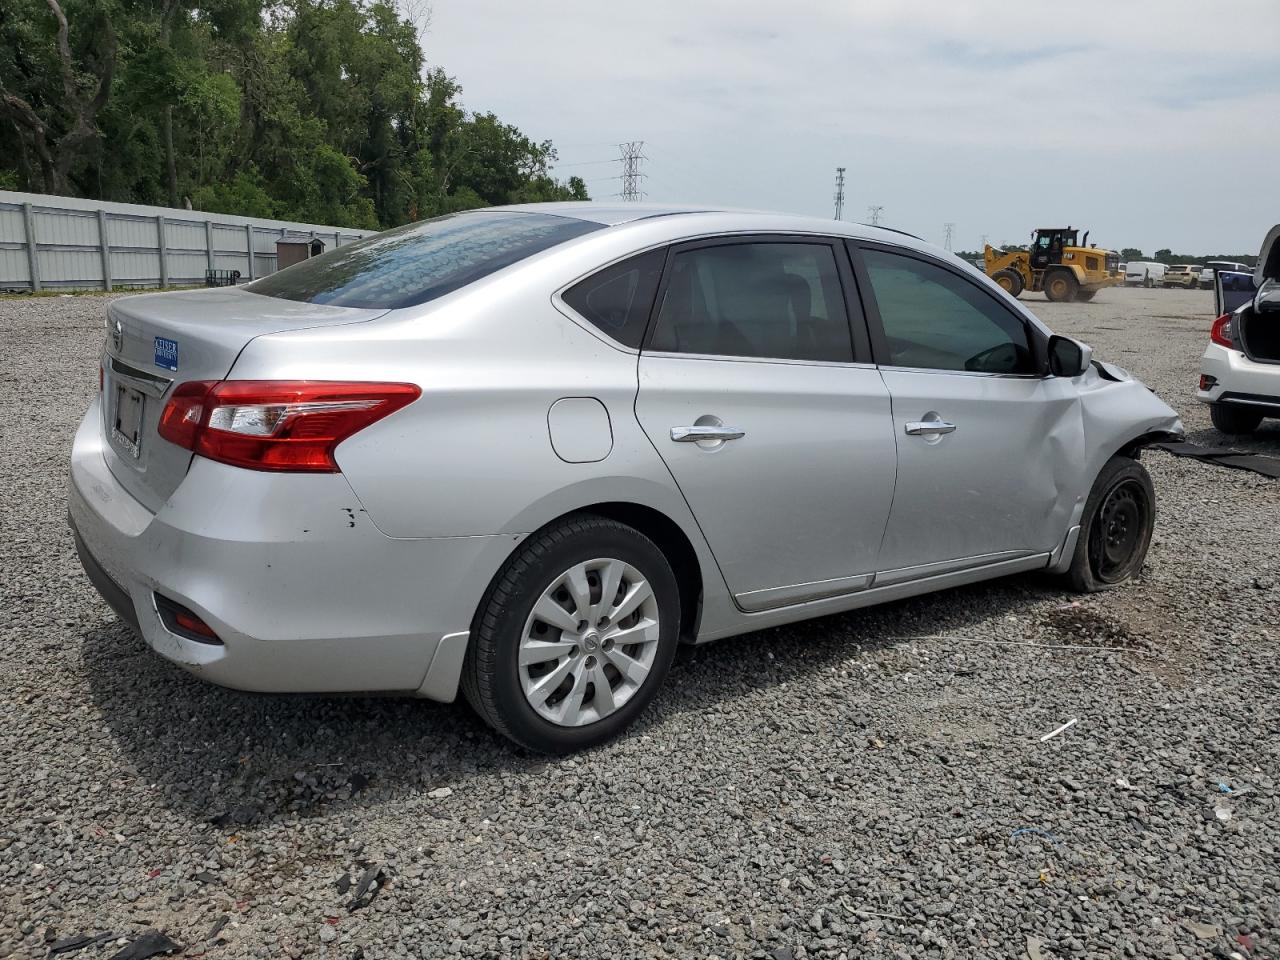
(617, 214)
(608, 214)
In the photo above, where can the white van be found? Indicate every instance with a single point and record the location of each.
(1142, 274)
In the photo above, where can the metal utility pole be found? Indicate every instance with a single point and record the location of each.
(632, 153)
(839, 193)
(950, 228)
(873, 214)
(984, 241)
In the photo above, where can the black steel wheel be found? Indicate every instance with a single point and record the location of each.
(1116, 527)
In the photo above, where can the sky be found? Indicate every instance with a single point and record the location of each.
(1152, 124)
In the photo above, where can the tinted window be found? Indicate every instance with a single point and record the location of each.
(776, 300)
(420, 261)
(937, 320)
(618, 298)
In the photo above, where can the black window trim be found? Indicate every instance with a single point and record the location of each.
(854, 314)
(879, 344)
(567, 309)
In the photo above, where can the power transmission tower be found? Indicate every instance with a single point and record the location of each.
(632, 153)
(873, 214)
(950, 228)
(984, 241)
(839, 193)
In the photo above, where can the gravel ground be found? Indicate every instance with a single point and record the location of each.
(869, 785)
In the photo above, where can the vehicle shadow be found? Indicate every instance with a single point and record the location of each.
(237, 759)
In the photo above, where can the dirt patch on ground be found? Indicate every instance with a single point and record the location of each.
(1078, 624)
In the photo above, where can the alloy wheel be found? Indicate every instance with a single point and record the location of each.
(589, 642)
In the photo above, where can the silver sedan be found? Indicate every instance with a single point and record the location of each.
(524, 452)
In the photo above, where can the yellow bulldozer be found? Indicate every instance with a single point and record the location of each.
(1056, 264)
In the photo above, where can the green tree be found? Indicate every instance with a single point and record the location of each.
(317, 110)
(1131, 253)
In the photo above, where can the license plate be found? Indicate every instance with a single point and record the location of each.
(126, 427)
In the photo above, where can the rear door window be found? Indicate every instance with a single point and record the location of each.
(933, 319)
(617, 299)
(779, 301)
(421, 261)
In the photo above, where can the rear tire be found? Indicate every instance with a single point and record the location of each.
(564, 571)
(1010, 281)
(1061, 286)
(1232, 418)
(1115, 529)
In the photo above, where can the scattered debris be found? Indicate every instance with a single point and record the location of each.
(1066, 726)
(1222, 813)
(151, 943)
(241, 815)
(1036, 831)
(344, 883)
(217, 927)
(1204, 931)
(1034, 945)
(79, 942)
(368, 887)
(1223, 788)
(1124, 784)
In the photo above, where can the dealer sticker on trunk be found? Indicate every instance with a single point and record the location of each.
(166, 353)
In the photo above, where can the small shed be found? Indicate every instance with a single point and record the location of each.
(289, 252)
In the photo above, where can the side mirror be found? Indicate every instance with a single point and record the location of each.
(1067, 357)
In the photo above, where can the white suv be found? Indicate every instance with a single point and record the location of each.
(1240, 369)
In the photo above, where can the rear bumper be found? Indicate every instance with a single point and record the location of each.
(117, 597)
(1239, 379)
(304, 593)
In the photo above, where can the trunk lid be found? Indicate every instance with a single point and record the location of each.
(157, 341)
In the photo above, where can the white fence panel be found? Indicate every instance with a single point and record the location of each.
(63, 239)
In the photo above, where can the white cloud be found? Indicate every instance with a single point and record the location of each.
(1153, 123)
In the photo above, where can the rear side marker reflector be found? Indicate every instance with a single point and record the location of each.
(177, 619)
(278, 425)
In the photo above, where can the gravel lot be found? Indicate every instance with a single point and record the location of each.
(866, 785)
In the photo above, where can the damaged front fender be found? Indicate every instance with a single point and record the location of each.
(1121, 414)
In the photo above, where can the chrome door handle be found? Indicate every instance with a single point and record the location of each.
(694, 434)
(918, 428)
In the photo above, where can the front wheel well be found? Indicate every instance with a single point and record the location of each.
(1133, 449)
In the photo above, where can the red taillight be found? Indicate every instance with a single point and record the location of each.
(183, 415)
(287, 425)
(1220, 332)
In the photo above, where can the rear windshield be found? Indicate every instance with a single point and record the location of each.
(421, 261)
